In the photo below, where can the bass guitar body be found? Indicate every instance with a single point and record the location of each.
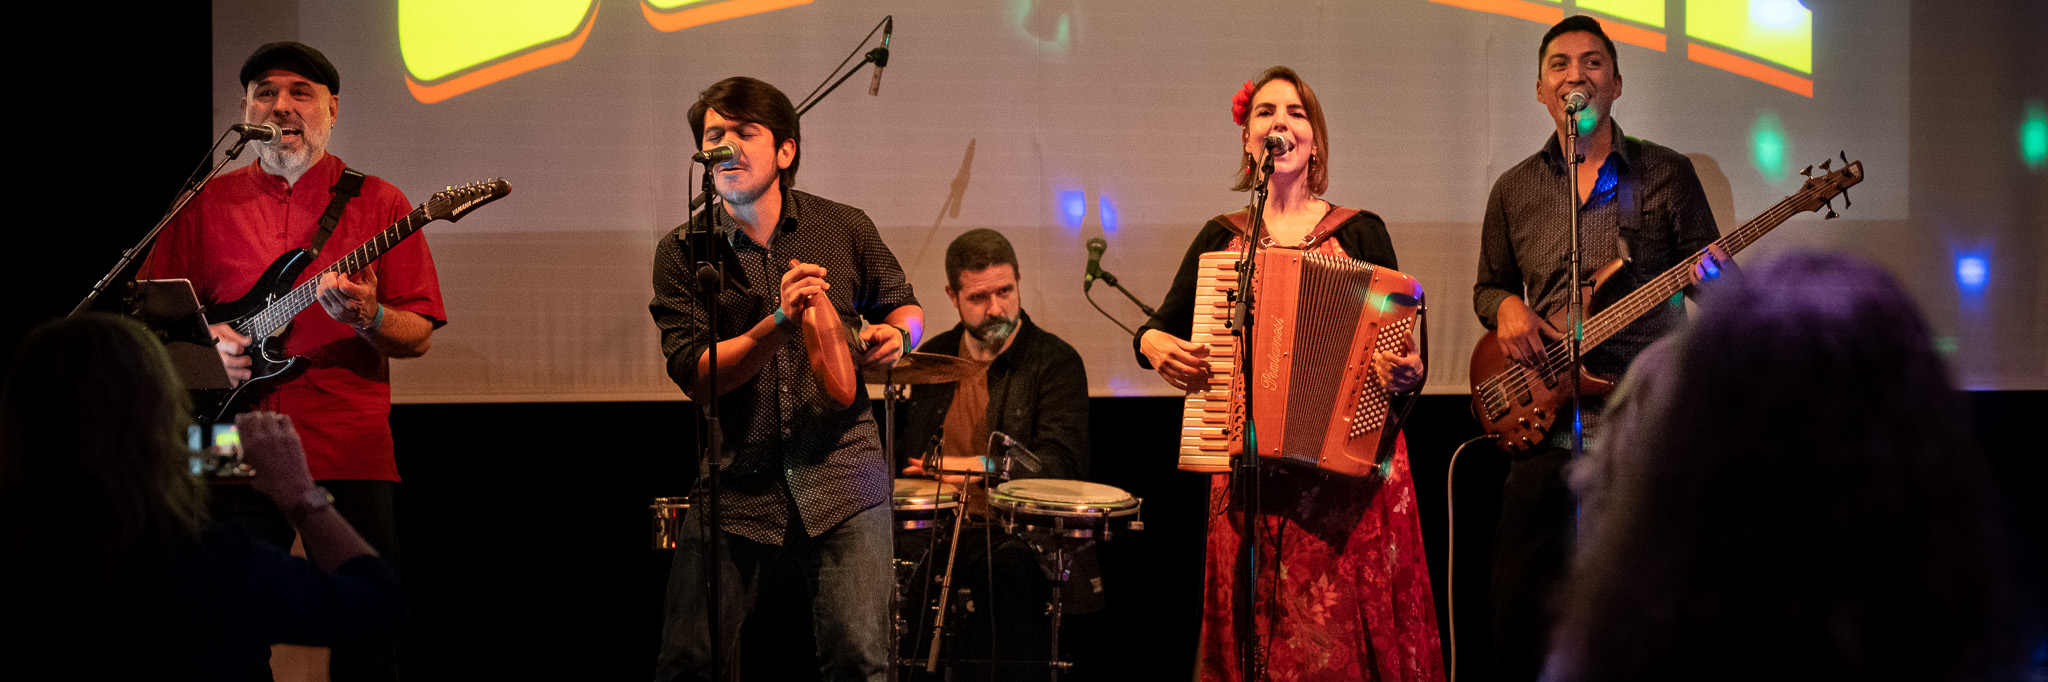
(1517, 404)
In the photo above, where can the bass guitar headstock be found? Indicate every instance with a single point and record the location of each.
(1820, 191)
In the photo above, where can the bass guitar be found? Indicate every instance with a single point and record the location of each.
(1516, 405)
(263, 313)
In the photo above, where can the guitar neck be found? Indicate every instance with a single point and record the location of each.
(281, 311)
(1659, 290)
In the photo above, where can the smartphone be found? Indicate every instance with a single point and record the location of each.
(216, 449)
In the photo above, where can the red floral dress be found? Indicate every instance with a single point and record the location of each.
(1343, 586)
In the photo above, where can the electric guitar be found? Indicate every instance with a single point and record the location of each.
(1516, 405)
(270, 305)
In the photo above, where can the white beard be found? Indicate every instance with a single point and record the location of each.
(293, 163)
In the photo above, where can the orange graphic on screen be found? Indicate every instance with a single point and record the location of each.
(676, 15)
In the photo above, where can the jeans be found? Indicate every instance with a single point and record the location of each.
(848, 569)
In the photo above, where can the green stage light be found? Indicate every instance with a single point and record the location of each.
(1767, 145)
(2034, 135)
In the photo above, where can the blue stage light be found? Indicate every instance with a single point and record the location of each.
(1073, 206)
(1972, 272)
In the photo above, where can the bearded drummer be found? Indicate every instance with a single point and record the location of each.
(1033, 389)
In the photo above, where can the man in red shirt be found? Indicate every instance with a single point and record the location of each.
(341, 404)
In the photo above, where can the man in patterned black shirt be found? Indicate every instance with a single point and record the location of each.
(802, 481)
(1637, 200)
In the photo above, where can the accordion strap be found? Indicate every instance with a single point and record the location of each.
(1240, 220)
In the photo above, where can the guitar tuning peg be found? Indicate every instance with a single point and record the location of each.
(1831, 215)
(1807, 171)
(1844, 154)
(1845, 200)
(1824, 164)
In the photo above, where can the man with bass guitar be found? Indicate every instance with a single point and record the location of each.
(341, 402)
(1638, 203)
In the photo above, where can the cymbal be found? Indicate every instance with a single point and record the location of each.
(923, 368)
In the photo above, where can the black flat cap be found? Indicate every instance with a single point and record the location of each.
(296, 58)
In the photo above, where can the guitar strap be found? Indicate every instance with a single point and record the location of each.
(348, 187)
(1631, 200)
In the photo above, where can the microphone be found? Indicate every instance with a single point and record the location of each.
(1096, 245)
(715, 155)
(1278, 144)
(880, 55)
(1017, 452)
(260, 132)
(1575, 102)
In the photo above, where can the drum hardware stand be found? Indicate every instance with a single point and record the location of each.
(185, 195)
(1245, 470)
(931, 662)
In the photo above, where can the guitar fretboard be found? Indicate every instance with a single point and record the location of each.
(281, 311)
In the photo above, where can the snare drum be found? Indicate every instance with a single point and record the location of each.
(1075, 509)
(918, 502)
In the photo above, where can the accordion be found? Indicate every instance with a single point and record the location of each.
(1317, 322)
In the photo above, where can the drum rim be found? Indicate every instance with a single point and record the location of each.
(928, 494)
(922, 504)
(1081, 510)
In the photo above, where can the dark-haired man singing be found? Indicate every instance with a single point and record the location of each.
(803, 481)
(1637, 200)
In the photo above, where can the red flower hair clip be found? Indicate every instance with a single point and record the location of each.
(1241, 105)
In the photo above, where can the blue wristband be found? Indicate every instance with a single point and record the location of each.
(781, 320)
(375, 322)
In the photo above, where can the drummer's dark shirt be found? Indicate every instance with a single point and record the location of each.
(784, 444)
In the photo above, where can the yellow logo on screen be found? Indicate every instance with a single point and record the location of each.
(1768, 40)
(454, 46)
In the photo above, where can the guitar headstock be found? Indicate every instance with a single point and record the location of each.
(1820, 191)
(455, 202)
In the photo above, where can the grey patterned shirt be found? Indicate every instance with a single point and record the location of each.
(784, 446)
(1525, 240)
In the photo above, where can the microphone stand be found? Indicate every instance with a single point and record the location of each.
(878, 57)
(1575, 306)
(1111, 280)
(710, 281)
(185, 196)
(1245, 470)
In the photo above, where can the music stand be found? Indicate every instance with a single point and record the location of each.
(171, 309)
